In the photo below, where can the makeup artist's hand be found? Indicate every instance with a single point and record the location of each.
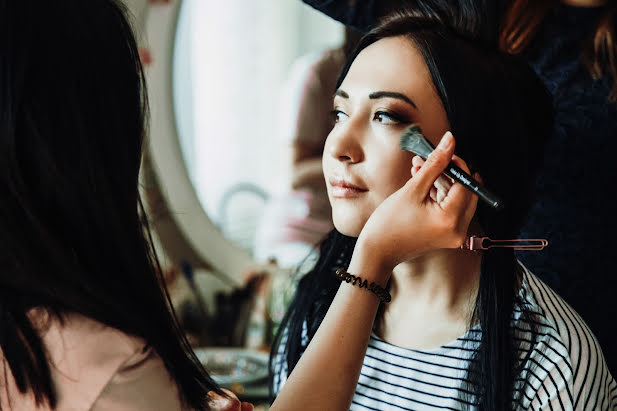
(217, 402)
(427, 213)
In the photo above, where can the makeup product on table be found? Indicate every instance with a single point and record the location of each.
(188, 273)
(413, 140)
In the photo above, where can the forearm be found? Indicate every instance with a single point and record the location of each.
(326, 376)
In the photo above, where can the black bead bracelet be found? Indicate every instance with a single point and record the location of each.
(379, 291)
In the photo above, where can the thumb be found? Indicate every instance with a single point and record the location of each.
(219, 402)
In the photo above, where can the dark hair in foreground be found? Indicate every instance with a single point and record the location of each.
(500, 114)
(73, 236)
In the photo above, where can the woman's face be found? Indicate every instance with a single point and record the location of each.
(388, 86)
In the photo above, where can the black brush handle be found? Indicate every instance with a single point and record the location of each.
(468, 181)
(413, 140)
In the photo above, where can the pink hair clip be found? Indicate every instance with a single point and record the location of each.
(475, 243)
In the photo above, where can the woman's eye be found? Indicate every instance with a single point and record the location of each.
(386, 117)
(338, 115)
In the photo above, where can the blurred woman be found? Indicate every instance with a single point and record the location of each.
(85, 320)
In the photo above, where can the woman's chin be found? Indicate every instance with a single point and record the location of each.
(347, 226)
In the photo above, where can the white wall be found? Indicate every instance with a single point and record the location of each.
(231, 83)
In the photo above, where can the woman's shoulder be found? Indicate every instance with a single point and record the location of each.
(73, 332)
(553, 316)
(562, 353)
(95, 366)
(75, 341)
(84, 356)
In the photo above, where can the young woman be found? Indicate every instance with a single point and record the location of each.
(85, 321)
(571, 46)
(465, 329)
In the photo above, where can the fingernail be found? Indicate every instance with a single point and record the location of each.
(446, 141)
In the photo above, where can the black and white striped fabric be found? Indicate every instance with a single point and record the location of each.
(563, 370)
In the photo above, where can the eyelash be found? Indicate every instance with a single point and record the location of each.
(396, 118)
(334, 114)
(378, 116)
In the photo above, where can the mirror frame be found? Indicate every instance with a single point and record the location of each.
(186, 232)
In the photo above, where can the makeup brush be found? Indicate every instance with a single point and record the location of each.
(413, 140)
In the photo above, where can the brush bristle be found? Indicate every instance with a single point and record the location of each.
(413, 140)
(410, 135)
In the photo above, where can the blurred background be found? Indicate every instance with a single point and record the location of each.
(234, 205)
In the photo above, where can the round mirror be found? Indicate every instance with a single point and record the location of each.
(232, 75)
(218, 77)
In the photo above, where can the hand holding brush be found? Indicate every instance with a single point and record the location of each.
(413, 140)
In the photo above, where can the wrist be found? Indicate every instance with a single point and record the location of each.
(381, 292)
(369, 265)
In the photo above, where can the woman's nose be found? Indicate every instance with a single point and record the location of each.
(344, 144)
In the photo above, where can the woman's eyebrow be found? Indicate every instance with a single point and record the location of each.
(341, 93)
(392, 94)
(381, 94)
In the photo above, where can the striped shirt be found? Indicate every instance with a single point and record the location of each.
(563, 366)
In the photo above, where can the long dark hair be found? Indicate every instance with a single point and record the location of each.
(523, 19)
(500, 115)
(73, 235)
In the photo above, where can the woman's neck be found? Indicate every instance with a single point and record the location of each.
(433, 297)
(438, 278)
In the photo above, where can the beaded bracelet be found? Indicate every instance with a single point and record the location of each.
(379, 291)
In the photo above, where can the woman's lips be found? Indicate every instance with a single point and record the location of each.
(343, 189)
